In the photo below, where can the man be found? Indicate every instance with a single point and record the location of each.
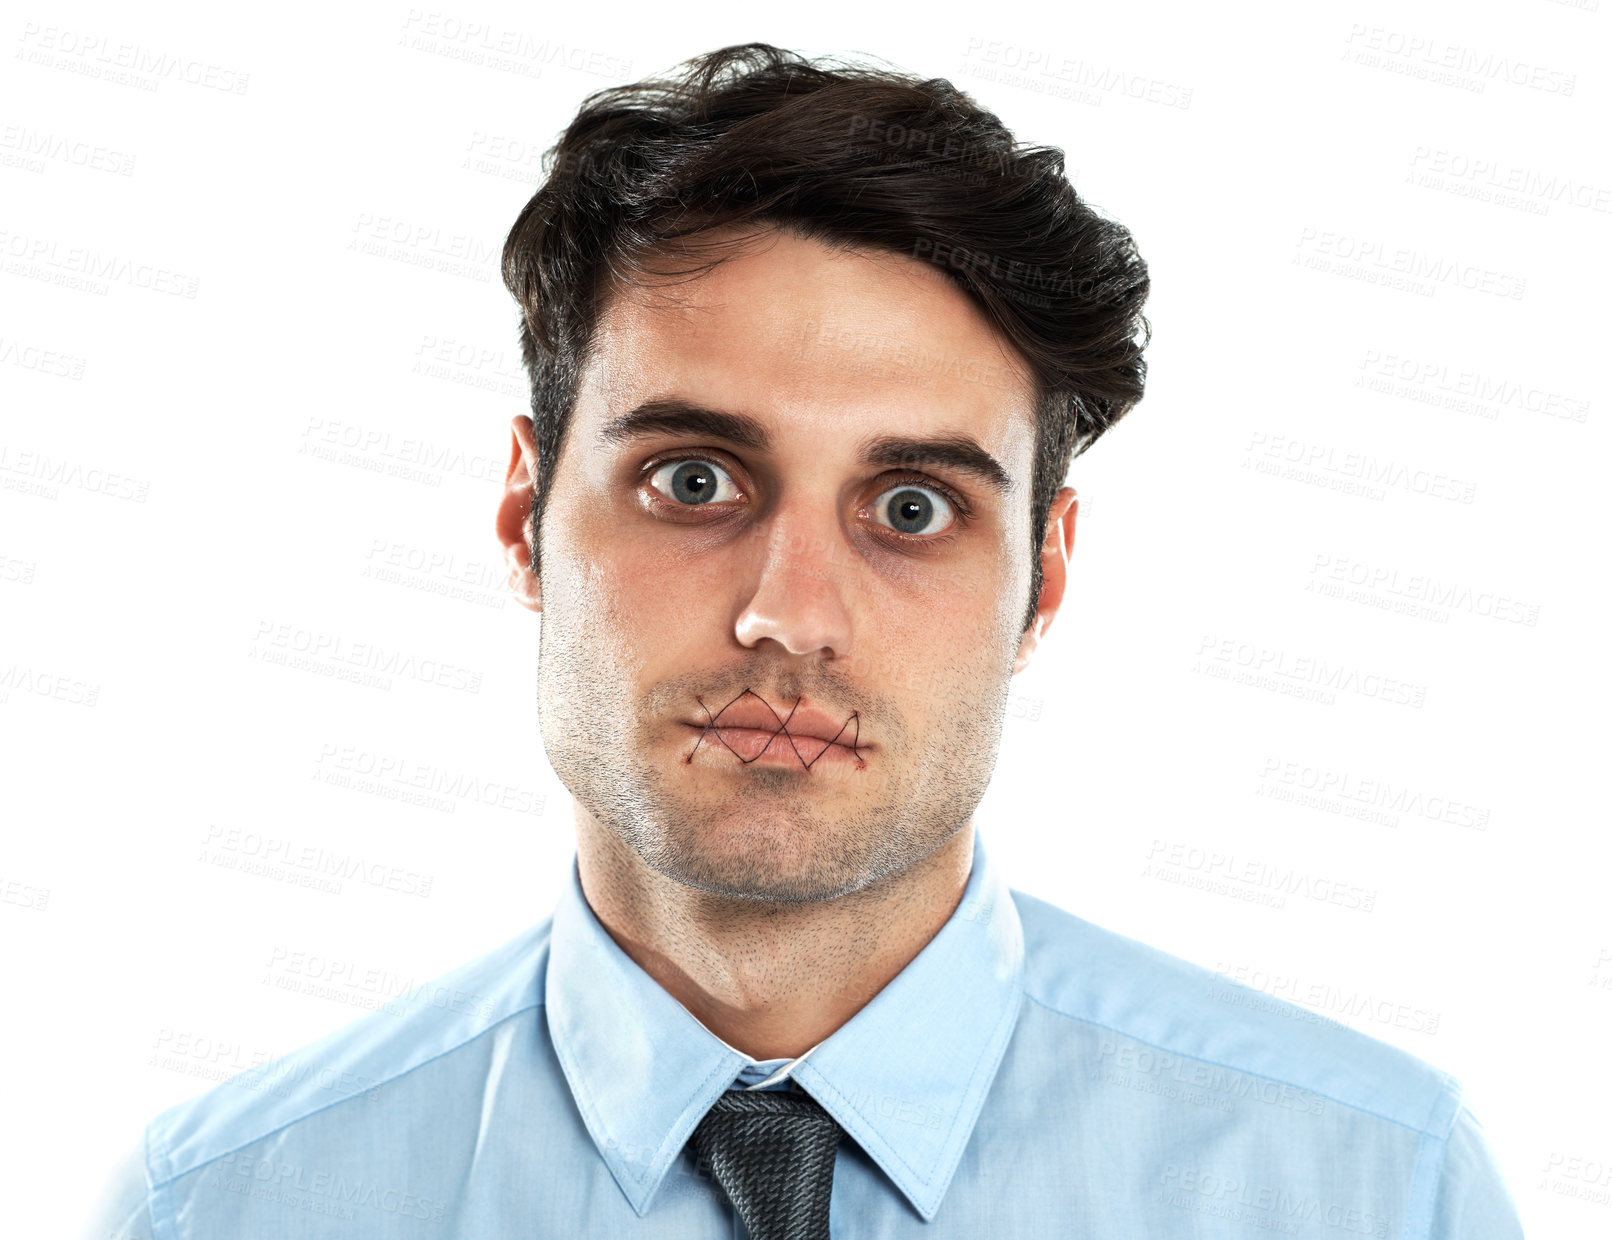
(811, 350)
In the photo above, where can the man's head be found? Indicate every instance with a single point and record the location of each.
(802, 393)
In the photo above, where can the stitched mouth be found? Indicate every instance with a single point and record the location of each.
(748, 724)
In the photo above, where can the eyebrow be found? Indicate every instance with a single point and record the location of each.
(669, 415)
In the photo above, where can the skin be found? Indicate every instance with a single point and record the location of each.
(773, 901)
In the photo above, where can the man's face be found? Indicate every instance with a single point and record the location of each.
(686, 571)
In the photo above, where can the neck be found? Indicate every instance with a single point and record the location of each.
(771, 980)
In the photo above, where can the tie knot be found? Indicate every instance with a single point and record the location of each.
(773, 1154)
(771, 1106)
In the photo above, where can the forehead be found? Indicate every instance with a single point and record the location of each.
(816, 341)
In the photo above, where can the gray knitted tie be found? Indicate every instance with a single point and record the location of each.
(773, 1154)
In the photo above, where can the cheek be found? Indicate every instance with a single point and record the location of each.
(635, 594)
(980, 623)
(966, 600)
(937, 632)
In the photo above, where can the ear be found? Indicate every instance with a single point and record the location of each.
(1055, 549)
(514, 507)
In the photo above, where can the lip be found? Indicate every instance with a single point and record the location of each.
(802, 721)
(749, 727)
(767, 747)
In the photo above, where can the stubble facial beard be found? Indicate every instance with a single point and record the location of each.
(757, 833)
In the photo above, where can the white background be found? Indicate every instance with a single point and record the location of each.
(196, 485)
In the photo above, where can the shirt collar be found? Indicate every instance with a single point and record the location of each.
(905, 1077)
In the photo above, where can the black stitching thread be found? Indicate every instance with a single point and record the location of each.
(783, 727)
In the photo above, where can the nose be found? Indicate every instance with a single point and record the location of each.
(800, 598)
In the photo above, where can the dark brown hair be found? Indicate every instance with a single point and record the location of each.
(756, 137)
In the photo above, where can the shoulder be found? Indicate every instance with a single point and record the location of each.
(1150, 1002)
(1473, 1202)
(421, 1023)
(122, 1209)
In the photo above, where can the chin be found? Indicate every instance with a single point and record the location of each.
(756, 868)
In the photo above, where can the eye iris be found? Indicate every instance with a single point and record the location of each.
(692, 483)
(909, 511)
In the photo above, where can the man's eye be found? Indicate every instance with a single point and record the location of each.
(910, 509)
(693, 481)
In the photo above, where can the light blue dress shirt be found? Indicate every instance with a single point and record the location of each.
(1028, 1074)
